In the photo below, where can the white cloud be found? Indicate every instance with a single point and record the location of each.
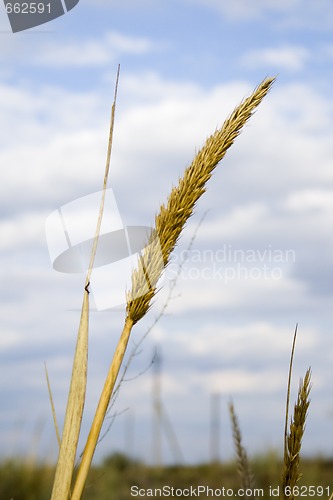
(24, 230)
(111, 4)
(8, 339)
(287, 58)
(284, 14)
(311, 200)
(242, 9)
(230, 288)
(93, 52)
(241, 342)
(235, 381)
(73, 52)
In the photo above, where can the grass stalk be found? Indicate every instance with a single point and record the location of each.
(169, 224)
(101, 411)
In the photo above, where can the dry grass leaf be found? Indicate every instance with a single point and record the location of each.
(74, 410)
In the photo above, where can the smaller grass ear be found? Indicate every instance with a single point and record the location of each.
(293, 440)
(244, 472)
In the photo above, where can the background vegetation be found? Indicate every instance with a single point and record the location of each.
(114, 478)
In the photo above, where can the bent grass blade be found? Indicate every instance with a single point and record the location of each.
(77, 392)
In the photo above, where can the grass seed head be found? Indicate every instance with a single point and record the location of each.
(172, 217)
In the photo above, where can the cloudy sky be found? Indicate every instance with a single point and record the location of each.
(255, 259)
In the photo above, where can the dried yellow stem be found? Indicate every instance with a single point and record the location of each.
(102, 407)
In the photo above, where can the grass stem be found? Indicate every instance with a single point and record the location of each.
(102, 407)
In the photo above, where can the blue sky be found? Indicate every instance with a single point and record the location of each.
(184, 66)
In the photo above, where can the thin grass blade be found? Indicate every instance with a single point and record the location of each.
(56, 427)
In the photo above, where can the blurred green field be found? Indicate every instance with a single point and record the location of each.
(115, 477)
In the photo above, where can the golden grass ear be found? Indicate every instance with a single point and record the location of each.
(172, 217)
